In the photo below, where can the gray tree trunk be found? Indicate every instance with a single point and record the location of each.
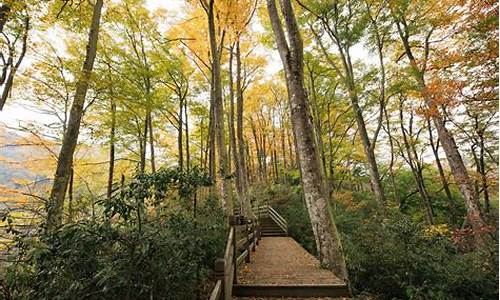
(64, 162)
(291, 52)
(218, 110)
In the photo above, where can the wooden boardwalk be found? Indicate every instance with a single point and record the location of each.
(280, 266)
(262, 262)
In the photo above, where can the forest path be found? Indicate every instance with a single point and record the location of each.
(281, 267)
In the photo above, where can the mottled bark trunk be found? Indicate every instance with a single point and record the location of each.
(442, 176)
(64, 162)
(291, 53)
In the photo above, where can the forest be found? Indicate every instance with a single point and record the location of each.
(134, 134)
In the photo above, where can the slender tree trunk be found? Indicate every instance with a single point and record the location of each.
(391, 164)
(412, 160)
(111, 150)
(64, 162)
(7, 85)
(239, 135)
(291, 53)
(186, 129)
(211, 143)
(70, 195)
(180, 134)
(442, 176)
(144, 144)
(218, 110)
(151, 143)
(232, 136)
(367, 146)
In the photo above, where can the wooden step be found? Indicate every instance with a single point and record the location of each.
(293, 291)
(273, 234)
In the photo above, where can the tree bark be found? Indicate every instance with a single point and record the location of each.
(291, 54)
(151, 143)
(111, 149)
(239, 135)
(444, 181)
(186, 130)
(7, 85)
(218, 110)
(64, 162)
(180, 134)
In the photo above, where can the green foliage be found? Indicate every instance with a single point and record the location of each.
(396, 257)
(132, 251)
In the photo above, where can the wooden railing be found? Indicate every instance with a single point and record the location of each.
(267, 211)
(237, 251)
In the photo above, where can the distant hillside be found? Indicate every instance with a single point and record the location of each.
(12, 156)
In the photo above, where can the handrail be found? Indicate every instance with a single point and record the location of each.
(226, 268)
(278, 219)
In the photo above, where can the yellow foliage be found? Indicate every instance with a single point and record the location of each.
(437, 230)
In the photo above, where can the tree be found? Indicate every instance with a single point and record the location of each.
(401, 13)
(65, 159)
(290, 48)
(14, 26)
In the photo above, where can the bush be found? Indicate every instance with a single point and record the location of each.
(133, 251)
(396, 257)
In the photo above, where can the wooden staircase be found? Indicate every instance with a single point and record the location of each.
(276, 266)
(271, 223)
(270, 228)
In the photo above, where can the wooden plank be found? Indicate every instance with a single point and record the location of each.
(217, 291)
(303, 290)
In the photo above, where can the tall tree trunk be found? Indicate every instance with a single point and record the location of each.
(391, 163)
(70, 195)
(218, 110)
(416, 168)
(151, 143)
(232, 135)
(180, 134)
(291, 53)
(186, 129)
(64, 162)
(111, 149)
(367, 146)
(442, 176)
(144, 144)
(211, 143)
(242, 170)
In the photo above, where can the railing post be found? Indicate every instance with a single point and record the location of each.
(254, 236)
(235, 257)
(219, 273)
(247, 259)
